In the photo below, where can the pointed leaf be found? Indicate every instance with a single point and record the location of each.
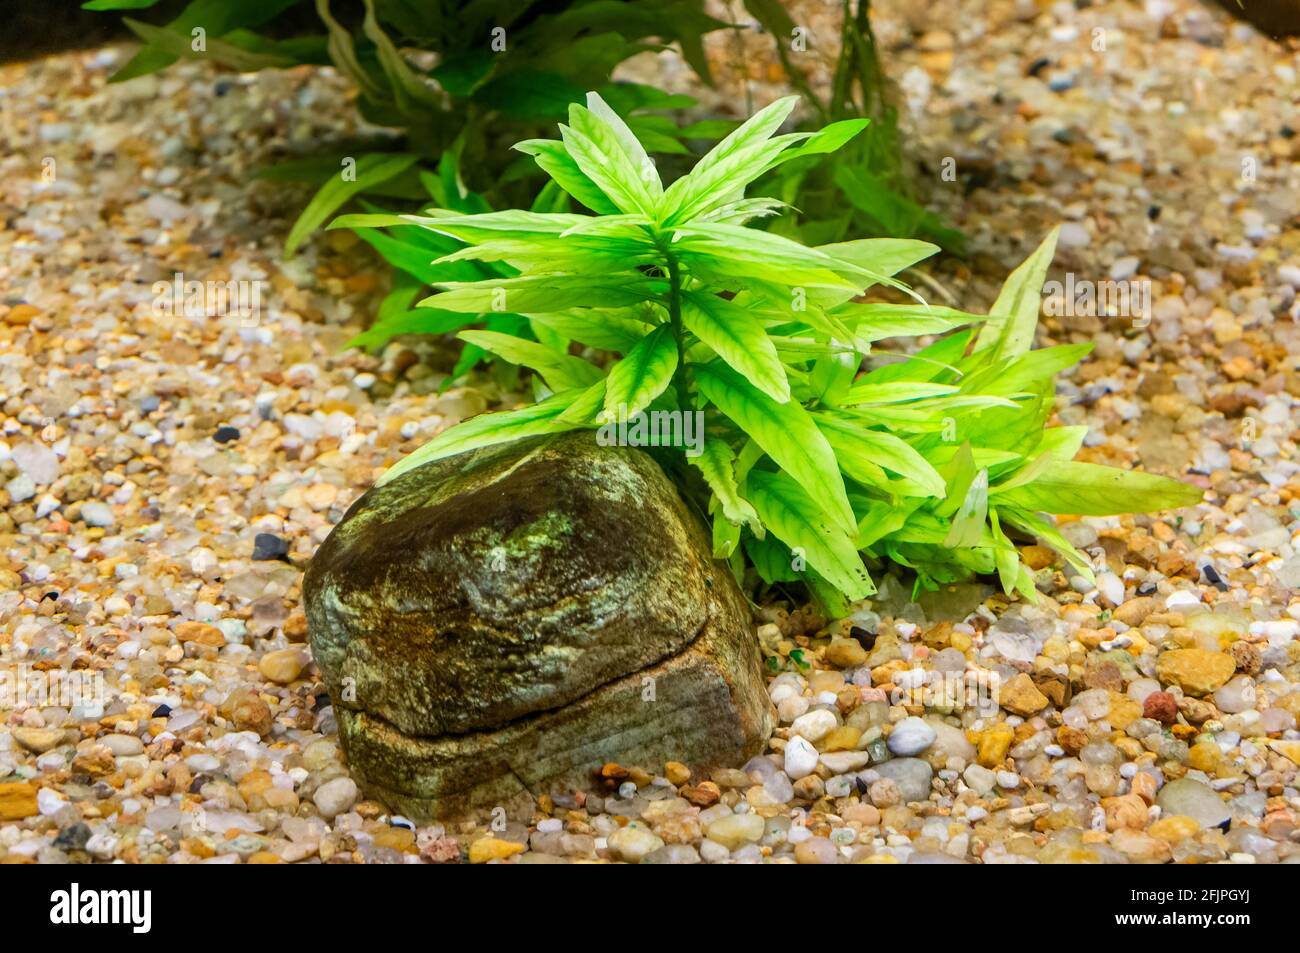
(643, 374)
(799, 522)
(738, 338)
(786, 433)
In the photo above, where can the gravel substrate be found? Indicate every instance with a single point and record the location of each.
(165, 476)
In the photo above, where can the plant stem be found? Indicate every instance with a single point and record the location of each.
(681, 383)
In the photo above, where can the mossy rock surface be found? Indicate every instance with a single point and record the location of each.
(508, 619)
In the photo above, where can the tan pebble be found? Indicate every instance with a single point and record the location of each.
(39, 740)
(1197, 671)
(21, 314)
(201, 632)
(321, 496)
(17, 801)
(846, 653)
(1134, 612)
(704, 794)
(1127, 810)
(295, 627)
(248, 711)
(993, 745)
(1021, 696)
(677, 773)
(492, 848)
(1173, 829)
(284, 666)
(1144, 786)
(843, 738)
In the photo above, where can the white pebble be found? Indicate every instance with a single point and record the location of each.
(800, 758)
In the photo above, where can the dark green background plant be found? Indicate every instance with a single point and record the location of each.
(476, 99)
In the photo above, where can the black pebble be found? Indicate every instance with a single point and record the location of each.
(74, 838)
(1213, 578)
(866, 638)
(269, 546)
(225, 434)
(1153, 212)
(1037, 66)
(162, 711)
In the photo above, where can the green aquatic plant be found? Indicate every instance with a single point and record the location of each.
(808, 467)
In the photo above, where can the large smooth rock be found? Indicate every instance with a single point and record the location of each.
(505, 621)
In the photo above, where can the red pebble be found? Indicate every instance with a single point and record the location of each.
(1161, 707)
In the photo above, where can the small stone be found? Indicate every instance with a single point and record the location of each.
(677, 773)
(816, 850)
(21, 488)
(39, 740)
(1021, 696)
(843, 738)
(75, 837)
(736, 830)
(225, 434)
(912, 775)
(1173, 829)
(814, 726)
(245, 707)
(1236, 695)
(846, 653)
(269, 546)
(283, 666)
(632, 843)
(1144, 786)
(994, 744)
(98, 514)
(800, 758)
(1073, 234)
(1197, 671)
(491, 848)
(884, 793)
(18, 801)
(911, 736)
(1125, 811)
(842, 762)
(122, 745)
(1161, 707)
(704, 794)
(1135, 611)
(201, 632)
(334, 797)
(1111, 588)
(980, 779)
(1187, 797)
(1247, 656)
(1287, 749)
(36, 461)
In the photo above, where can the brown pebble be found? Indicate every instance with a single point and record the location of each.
(704, 794)
(1247, 656)
(1161, 707)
